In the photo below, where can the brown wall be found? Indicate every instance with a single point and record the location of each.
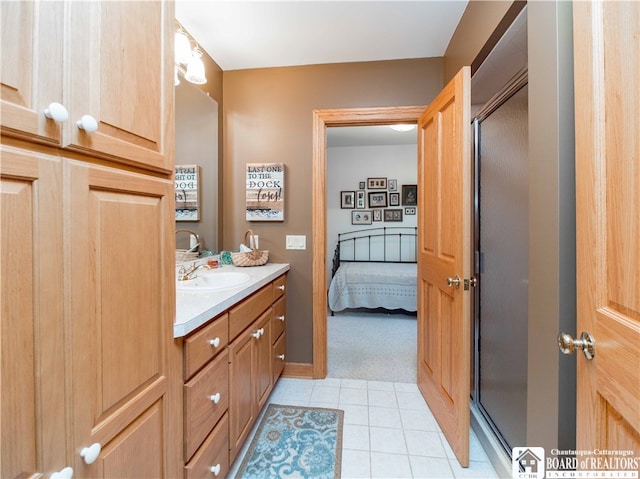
(268, 118)
(478, 22)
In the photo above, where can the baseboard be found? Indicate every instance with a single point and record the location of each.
(499, 459)
(298, 370)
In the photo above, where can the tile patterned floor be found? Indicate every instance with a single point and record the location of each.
(389, 432)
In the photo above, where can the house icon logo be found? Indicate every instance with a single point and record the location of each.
(527, 463)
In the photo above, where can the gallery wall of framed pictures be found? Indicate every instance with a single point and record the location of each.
(380, 199)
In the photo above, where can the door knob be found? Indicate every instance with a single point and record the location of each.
(568, 345)
(455, 281)
(91, 453)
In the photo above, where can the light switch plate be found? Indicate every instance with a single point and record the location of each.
(296, 242)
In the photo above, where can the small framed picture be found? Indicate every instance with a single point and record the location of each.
(361, 217)
(394, 199)
(410, 210)
(377, 183)
(394, 214)
(393, 185)
(377, 215)
(362, 185)
(347, 199)
(360, 199)
(377, 199)
(409, 195)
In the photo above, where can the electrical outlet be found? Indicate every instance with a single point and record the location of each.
(296, 242)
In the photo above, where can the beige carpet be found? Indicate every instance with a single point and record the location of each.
(372, 346)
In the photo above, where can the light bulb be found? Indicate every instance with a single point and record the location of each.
(182, 47)
(195, 68)
(402, 127)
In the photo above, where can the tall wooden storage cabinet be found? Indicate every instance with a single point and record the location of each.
(87, 237)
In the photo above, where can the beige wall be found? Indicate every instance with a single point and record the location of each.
(268, 118)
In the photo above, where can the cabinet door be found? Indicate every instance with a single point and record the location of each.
(31, 319)
(241, 390)
(125, 366)
(263, 362)
(31, 68)
(120, 72)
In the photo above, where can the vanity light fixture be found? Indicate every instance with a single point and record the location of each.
(402, 127)
(188, 61)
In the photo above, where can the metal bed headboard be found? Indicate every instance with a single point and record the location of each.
(387, 244)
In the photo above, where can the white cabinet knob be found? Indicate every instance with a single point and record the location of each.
(281, 287)
(280, 356)
(258, 333)
(56, 112)
(215, 398)
(66, 473)
(214, 342)
(215, 469)
(91, 453)
(281, 318)
(88, 124)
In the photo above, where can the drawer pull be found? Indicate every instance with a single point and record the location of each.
(215, 469)
(280, 356)
(281, 318)
(215, 398)
(214, 342)
(258, 333)
(66, 473)
(281, 287)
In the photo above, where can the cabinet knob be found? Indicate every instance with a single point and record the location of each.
(258, 333)
(214, 342)
(281, 318)
(280, 356)
(66, 473)
(88, 124)
(91, 453)
(215, 469)
(56, 112)
(215, 398)
(281, 287)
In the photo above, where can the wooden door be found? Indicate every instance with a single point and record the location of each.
(263, 360)
(241, 390)
(607, 92)
(444, 228)
(120, 72)
(31, 69)
(124, 365)
(32, 402)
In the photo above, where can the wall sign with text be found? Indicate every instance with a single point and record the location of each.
(265, 192)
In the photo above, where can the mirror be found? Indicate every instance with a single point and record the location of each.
(197, 144)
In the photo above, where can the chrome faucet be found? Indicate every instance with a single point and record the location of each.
(185, 274)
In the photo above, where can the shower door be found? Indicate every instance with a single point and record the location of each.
(502, 263)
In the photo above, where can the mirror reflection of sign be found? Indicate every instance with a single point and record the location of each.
(186, 192)
(265, 192)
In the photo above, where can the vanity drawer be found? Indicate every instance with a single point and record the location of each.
(201, 410)
(204, 344)
(248, 311)
(279, 318)
(213, 453)
(279, 286)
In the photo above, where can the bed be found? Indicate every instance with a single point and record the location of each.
(375, 268)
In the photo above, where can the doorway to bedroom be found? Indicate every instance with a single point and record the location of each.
(369, 335)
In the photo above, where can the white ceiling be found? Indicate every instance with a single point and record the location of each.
(257, 34)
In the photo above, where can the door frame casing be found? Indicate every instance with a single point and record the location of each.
(321, 120)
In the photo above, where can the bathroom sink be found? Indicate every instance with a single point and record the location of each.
(213, 281)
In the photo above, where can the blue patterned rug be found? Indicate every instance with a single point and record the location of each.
(295, 442)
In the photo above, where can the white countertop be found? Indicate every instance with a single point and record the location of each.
(193, 309)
